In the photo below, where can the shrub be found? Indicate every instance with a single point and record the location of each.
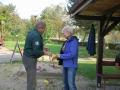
(111, 46)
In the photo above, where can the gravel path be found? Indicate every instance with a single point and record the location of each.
(5, 55)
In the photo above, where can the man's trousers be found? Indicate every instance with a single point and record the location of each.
(30, 66)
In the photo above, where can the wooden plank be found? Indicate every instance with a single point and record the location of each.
(113, 9)
(110, 76)
(109, 1)
(108, 63)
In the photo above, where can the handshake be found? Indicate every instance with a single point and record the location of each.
(47, 52)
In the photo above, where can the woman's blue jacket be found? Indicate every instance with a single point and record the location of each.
(70, 55)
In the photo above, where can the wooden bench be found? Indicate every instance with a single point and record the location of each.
(108, 76)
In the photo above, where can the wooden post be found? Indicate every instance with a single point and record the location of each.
(17, 45)
(100, 54)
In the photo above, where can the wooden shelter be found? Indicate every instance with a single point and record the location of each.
(104, 11)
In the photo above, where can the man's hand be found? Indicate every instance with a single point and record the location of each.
(46, 48)
(48, 53)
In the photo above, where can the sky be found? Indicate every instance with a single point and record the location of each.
(26, 8)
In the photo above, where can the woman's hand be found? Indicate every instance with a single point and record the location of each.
(58, 55)
(55, 57)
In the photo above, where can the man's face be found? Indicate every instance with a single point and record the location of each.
(41, 29)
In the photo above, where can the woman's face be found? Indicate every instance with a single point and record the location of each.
(66, 34)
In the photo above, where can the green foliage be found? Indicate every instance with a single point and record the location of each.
(53, 18)
(14, 25)
(47, 34)
(111, 46)
(47, 16)
(2, 18)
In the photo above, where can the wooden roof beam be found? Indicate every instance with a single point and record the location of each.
(85, 17)
(96, 18)
(110, 27)
(76, 4)
(106, 22)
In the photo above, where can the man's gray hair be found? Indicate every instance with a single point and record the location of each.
(67, 29)
(40, 24)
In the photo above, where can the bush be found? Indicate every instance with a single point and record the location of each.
(111, 46)
(57, 41)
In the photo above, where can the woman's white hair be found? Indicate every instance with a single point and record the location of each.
(67, 29)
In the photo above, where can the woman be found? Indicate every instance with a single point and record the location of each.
(69, 56)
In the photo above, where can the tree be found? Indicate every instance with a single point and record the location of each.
(58, 20)
(53, 16)
(47, 16)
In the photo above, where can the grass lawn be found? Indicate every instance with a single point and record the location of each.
(88, 69)
(55, 48)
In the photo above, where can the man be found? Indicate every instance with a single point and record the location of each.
(117, 61)
(34, 49)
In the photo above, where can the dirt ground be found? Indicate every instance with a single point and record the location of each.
(8, 80)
